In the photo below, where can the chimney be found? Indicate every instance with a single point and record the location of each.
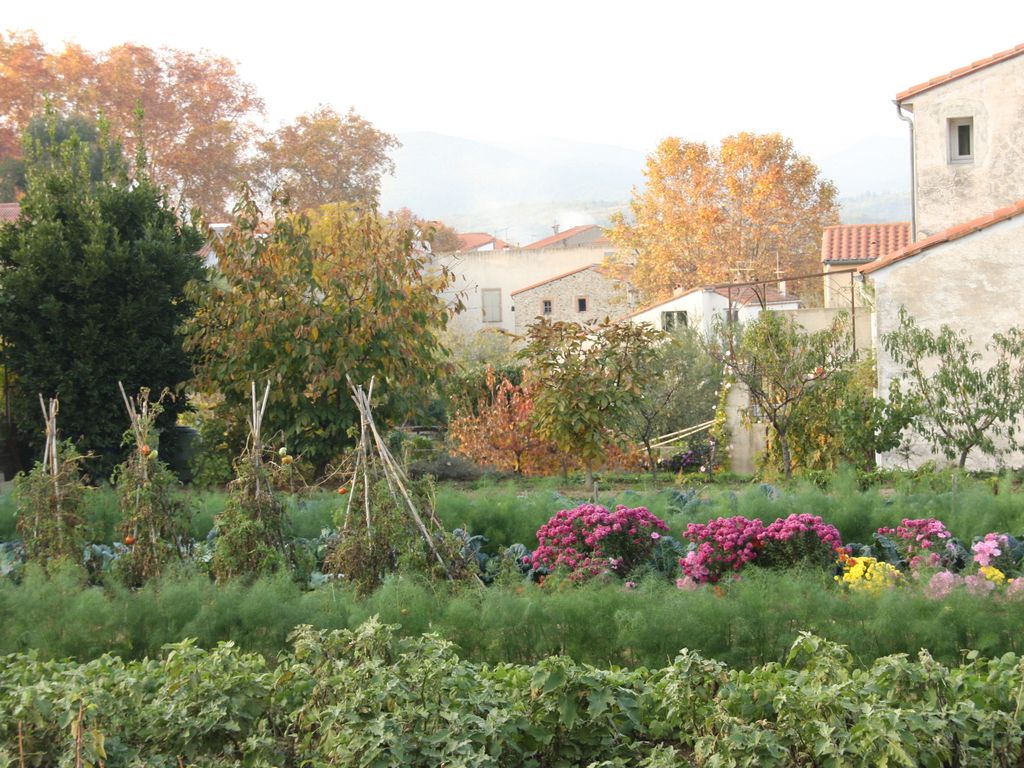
(782, 288)
(554, 227)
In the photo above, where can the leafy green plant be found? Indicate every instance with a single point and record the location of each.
(50, 499)
(250, 530)
(154, 519)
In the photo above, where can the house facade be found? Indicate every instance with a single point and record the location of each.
(965, 267)
(583, 295)
(706, 308)
(485, 280)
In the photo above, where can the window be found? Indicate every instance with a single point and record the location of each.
(581, 304)
(490, 303)
(961, 140)
(671, 321)
(546, 306)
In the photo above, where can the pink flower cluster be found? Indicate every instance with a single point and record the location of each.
(919, 540)
(723, 545)
(590, 539)
(800, 538)
(989, 548)
(727, 544)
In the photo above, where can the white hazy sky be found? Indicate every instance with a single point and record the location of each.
(624, 73)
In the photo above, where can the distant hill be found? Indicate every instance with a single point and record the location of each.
(516, 191)
(519, 190)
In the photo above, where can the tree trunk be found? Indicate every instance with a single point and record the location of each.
(650, 459)
(590, 477)
(963, 456)
(787, 464)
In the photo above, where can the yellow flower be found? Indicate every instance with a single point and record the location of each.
(993, 574)
(868, 574)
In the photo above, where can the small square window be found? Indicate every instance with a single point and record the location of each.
(961, 140)
(546, 306)
(581, 304)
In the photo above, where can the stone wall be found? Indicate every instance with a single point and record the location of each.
(606, 297)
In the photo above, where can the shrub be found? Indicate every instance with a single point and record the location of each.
(590, 539)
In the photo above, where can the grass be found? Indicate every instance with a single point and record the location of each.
(747, 623)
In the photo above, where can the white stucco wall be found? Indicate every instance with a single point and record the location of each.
(507, 270)
(950, 193)
(705, 309)
(976, 284)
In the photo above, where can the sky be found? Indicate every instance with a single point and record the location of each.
(620, 73)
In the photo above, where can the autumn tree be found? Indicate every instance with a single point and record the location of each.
(311, 300)
(781, 365)
(199, 116)
(750, 209)
(324, 157)
(961, 399)
(501, 433)
(92, 279)
(587, 379)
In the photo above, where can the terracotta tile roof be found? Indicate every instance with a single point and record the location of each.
(471, 241)
(957, 73)
(9, 211)
(863, 242)
(948, 235)
(570, 273)
(548, 241)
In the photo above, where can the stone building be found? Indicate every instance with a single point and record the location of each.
(485, 280)
(965, 267)
(586, 294)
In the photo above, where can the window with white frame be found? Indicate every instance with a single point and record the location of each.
(546, 306)
(961, 140)
(490, 303)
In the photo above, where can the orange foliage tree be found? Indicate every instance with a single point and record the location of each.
(324, 157)
(501, 433)
(199, 116)
(750, 209)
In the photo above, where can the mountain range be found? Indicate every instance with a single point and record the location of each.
(520, 191)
